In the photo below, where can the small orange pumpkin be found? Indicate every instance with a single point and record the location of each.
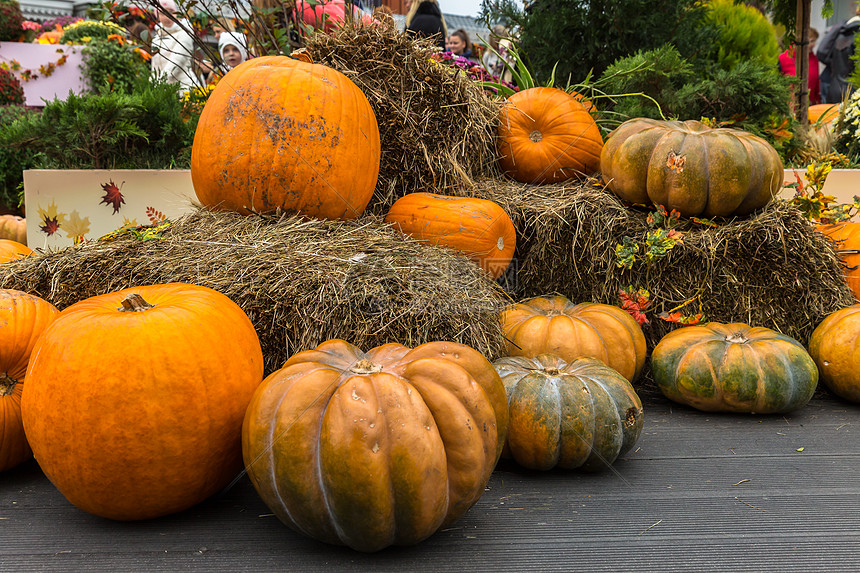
(14, 228)
(479, 228)
(378, 448)
(134, 400)
(557, 326)
(279, 132)
(23, 317)
(11, 250)
(546, 136)
(834, 347)
(826, 112)
(846, 239)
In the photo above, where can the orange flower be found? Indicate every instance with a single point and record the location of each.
(116, 37)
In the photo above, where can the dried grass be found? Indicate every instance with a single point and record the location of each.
(771, 269)
(301, 282)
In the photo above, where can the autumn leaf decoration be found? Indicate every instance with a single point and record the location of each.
(675, 315)
(112, 196)
(155, 216)
(635, 301)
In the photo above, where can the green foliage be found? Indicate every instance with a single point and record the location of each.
(78, 32)
(656, 73)
(11, 92)
(13, 161)
(581, 36)
(10, 21)
(144, 129)
(745, 34)
(113, 64)
(854, 78)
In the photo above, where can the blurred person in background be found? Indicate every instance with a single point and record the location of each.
(424, 20)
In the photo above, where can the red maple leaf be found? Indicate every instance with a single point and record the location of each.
(51, 225)
(112, 196)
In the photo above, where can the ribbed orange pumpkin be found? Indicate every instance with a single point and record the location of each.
(690, 167)
(379, 448)
(134, 404)
(557, 326)
(547, 136)
(479, 228)
(835, 347)
(10, 250)
(846, 238)
(23, 317)
(14, 228)
(278, 132)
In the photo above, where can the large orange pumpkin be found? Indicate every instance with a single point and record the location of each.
(479, 228)
(13, 228)
(134, 400)
(11, 250)
(278, 132)
(546, 136)
(835, 347)
(23, 317)
(690, 167)
(378, 448)
(846, 239)
(557, 326)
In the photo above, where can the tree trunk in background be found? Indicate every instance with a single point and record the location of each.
(804, 8)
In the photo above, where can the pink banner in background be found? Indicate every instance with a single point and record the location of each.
(31, 56)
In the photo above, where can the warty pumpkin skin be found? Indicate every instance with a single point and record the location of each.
(278, 132)
(835, 347)
(547, 136)
(378, 448)
(578, 414)
(557, 326)
(734, 368)
(479, 228)
(135, 411)
(11, 250)
(14, 228)
(846, 239)
(23, 317)
(690, 167)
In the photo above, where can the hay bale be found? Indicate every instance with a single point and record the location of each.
(771, 269)
(437, 128)
(301, 282)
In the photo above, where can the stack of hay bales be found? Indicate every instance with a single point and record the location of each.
(302, 282)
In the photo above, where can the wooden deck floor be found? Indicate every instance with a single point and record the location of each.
(700, 492)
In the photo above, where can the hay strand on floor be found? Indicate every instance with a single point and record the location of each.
(301, 282)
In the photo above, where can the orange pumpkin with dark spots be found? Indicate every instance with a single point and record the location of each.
(281, 133)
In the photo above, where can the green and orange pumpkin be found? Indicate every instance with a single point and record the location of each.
(734, 368)
(835, 347)
(690, 167)
(577, 414)
(378, 448)
(547, 135)
(557, 326)
(135, 399)
(479, 228)
(283, 133)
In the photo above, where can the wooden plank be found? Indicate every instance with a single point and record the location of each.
(699, 492)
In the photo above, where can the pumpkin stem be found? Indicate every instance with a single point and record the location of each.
(365, 366)
(134, 303)
(536, 136)
(737, 337)
(7, 384)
